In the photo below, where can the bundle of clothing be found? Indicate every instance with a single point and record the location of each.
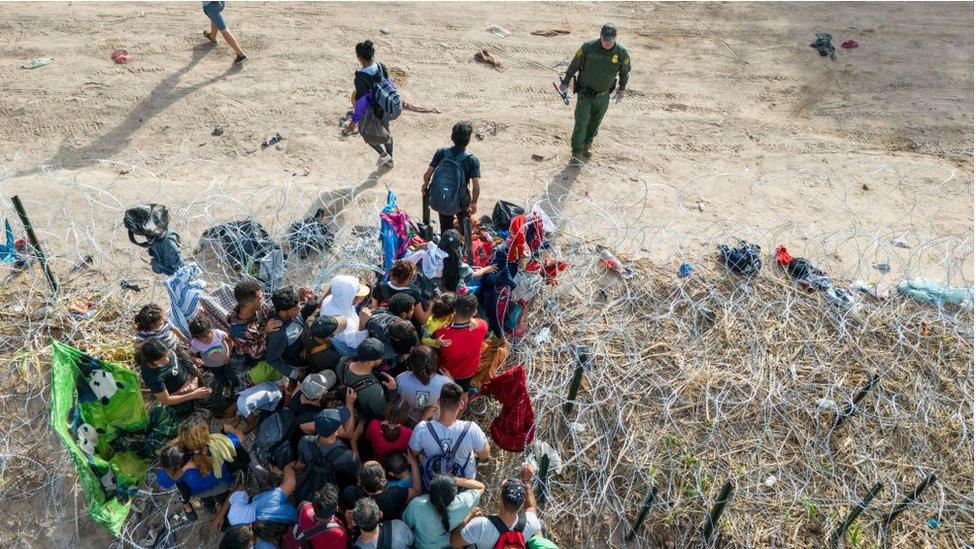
(811, 279)
(743, 260)
(514, 428)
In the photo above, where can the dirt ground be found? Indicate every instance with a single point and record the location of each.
(732, 127)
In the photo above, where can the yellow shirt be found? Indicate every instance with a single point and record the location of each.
(431, 326)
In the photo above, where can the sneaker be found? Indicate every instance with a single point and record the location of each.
(240, 59)
(385, 160)
(587, 149)
(211, 37)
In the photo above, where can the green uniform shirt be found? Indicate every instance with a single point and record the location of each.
(598, 67)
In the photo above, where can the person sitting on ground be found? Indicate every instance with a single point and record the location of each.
(358, 375)
(270, 505)
(344, 294)
(168, 379)
(213, 348)
(420, 386)
(238, 537)
(401, 468)
(432, 516)
(199, 463)
(461, 342)
(389, 434)
(392, 500)
(483, 532)
(320, 525)
(365, 78)
(376, 535)
(214, 13)
(325, 447)
(402, 274)
(470, 171)
(284, 351)
(441, 314)
(448, 443)
(317, 346)
(249, 324)
(151, 323)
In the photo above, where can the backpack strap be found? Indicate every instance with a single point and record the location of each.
(498, 523)
(433, 433)
(457, 446)
(329, 456)
(301, 535)
(386, 536)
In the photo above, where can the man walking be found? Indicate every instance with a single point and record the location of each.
(597, 63)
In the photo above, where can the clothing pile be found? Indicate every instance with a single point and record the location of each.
(514, 428)
(743, 260)
(247, 248)
(309, 236)
(811, 279)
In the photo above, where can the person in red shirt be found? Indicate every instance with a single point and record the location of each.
(390, 435)
(461, 341)
(318, 522)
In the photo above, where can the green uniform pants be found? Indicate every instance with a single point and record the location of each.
(589, 114)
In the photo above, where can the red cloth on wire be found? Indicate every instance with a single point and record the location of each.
(516, 235)
(783, 257)
(514, 428)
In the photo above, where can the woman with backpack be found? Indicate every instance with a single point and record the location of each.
(372, 76)
(432, 516)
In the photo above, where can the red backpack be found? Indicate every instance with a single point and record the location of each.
(509, 539)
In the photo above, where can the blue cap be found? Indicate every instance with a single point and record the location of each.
(327, 422)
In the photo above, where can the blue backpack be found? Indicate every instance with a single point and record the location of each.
(444, 191)
(386, 97)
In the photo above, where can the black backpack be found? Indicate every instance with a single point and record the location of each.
(274, 443)
(309, 236)
(444, 191)
(502, 215)
(317, 474)
(240, 243)
(150, 221)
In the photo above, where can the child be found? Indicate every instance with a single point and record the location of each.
(151, 323)
(217, 23)
(441, 314)
(213, 347)
(167, 378)
(390, 435)
(398, 471)
(461, 343)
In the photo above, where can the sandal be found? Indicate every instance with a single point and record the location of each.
(211, 37)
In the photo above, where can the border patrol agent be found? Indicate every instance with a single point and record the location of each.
(598, 62)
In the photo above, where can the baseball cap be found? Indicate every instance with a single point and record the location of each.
(328, 421)
(315, 386)
(324, 326)
(513, 492)
(370, 349)
(242, 511)
(609, 31)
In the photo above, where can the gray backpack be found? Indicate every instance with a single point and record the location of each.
(444, 192)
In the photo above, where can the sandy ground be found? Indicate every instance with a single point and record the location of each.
(733, 126)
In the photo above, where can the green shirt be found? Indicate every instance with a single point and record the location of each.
(598, 68)
(428, 529)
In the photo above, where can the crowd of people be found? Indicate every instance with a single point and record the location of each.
(342, 409)
(341, 412)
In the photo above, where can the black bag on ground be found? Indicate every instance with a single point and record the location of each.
(150, 221)
(309, 236)
(240, 243)
(502, 215)
(274, 443)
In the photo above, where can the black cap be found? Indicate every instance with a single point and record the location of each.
(609, 31)
(370, 349)
(324, 326)
(329, 420)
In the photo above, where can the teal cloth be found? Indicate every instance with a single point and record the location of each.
(935, 293)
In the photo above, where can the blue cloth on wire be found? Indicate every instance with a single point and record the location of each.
(185, 289)
(685, 270)
(743, 260)
(8, 251)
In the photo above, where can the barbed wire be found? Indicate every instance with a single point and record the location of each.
(694, 382)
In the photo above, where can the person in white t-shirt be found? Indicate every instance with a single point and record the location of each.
(517, 509)
(431, 439)
(421, 385)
